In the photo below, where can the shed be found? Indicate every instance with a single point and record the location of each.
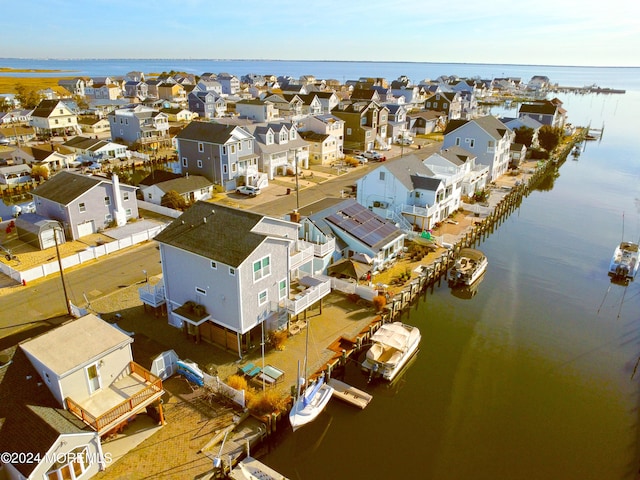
(38, 231)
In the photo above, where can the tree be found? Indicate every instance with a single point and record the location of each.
(173, 199)
(40, 172)
(81, 102)
(549, 137)
(524, 135)
(27, 96)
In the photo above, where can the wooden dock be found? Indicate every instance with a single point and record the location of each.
(349, 394)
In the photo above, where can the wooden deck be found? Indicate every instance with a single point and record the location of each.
(349, 394)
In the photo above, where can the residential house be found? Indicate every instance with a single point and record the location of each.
(309, 104)
(365, 125)
(92, 124)
(547, 112)
(179, 115)
(539, 83)
(141, 125)
(54, 117)
(231, 275)
(17, 134)
(289, 107)
(225, 154)
(93, 149)
(427, 121)
(76, 86)
(281, 150)
(34, 426)
(458, 166)
(136, 90)
(259, 111)
(16, 117)
(448, 102)
(524, 122)
(328, 99)
(88, 367)
(15, 174)
(190, 187)
(517, 154)
(152, 88)
(230, 83)
(407, 192)
(486, 137)
(209, 85)
(83, 204)
(207, 104)
(323, 148)
(325, 124)
(397, 121)
(54, 157)
(173, 92)
(356, 230)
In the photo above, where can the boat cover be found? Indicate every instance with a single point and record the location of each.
(395, 335)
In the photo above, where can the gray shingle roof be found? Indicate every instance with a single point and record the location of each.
(65, 187)
(216, 232)
(207, 132)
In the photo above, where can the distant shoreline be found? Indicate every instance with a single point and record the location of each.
(30, 70)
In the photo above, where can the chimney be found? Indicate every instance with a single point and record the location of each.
(295, 216)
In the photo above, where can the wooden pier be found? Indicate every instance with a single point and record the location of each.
(349, 394)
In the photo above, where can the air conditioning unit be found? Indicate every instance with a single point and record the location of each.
(379, 205)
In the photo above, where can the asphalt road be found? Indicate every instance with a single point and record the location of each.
(38, 303)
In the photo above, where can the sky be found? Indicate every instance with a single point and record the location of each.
(542, 32)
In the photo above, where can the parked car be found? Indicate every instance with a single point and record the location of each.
(373, 155)
(405, 141)
(249, 190)
(361, 159)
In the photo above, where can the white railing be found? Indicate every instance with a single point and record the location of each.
(303, 255)
(324, 249)
(421, 211)
(305, 299)
(153, 296)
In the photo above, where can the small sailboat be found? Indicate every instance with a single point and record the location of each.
(625, 260)
(311, 401)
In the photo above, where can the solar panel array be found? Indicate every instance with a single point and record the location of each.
(362, 224)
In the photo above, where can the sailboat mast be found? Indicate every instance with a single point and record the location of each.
(306, 353)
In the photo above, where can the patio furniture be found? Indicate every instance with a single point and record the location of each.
(271, 375)
(250, 370)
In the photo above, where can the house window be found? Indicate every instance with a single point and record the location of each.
(184, 161)
(200, 147)
(472, 142)
(201, 291)
(417, 194)
(232, 271)
(233, 167)
(348, 130)
(214, 265)
(199, 163)
(127, 212)
(82, 207)
(125, 196)
(262, 297)
(445, 105)
(224, 149)
(282, 289)
(381, 176)
(261, 268)
(149, 196)
(108, 218)
(225, 169)
(107, 201)
(458, 141)
(232, 149)
(77, 462)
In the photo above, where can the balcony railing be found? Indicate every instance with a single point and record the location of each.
(420, 211)
(308, 297)
(153, 296)
(303, 253)
(107, 420)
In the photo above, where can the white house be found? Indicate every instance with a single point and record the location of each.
(458, 167)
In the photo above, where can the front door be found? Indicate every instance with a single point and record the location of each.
(94, 377)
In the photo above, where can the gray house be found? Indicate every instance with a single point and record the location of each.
(230, 272)
(222, 153)
(139, 124)
(486, 137)
(83, 204)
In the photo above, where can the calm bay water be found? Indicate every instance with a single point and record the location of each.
(532, 377)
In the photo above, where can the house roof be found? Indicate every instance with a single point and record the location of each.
(456, 154)
(158, 176)
(31, 420)
(538, 108)
(363, 224)
(64, 187)
(216, 232)
(207, 132)
(425, 183)
(82, 340)
(82, 142)
(45, 108)
(185, 184)
(403, 168)
(490, 124)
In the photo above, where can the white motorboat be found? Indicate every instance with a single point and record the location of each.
(393, 345)
(625, 261)
(469, 266)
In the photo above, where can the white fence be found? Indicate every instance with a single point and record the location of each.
(366, 292)
(152, 207)
(91, 253)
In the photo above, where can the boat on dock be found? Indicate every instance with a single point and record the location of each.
(469, 266)
(624, 262)
(392, 347)
(575, 151)
(349, 394)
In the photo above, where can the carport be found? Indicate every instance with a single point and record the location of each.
(38, 231)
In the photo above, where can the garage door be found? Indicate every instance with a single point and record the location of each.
(86, 228)
(46, 238)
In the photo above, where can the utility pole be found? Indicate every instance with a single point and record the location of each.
(64, 285)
